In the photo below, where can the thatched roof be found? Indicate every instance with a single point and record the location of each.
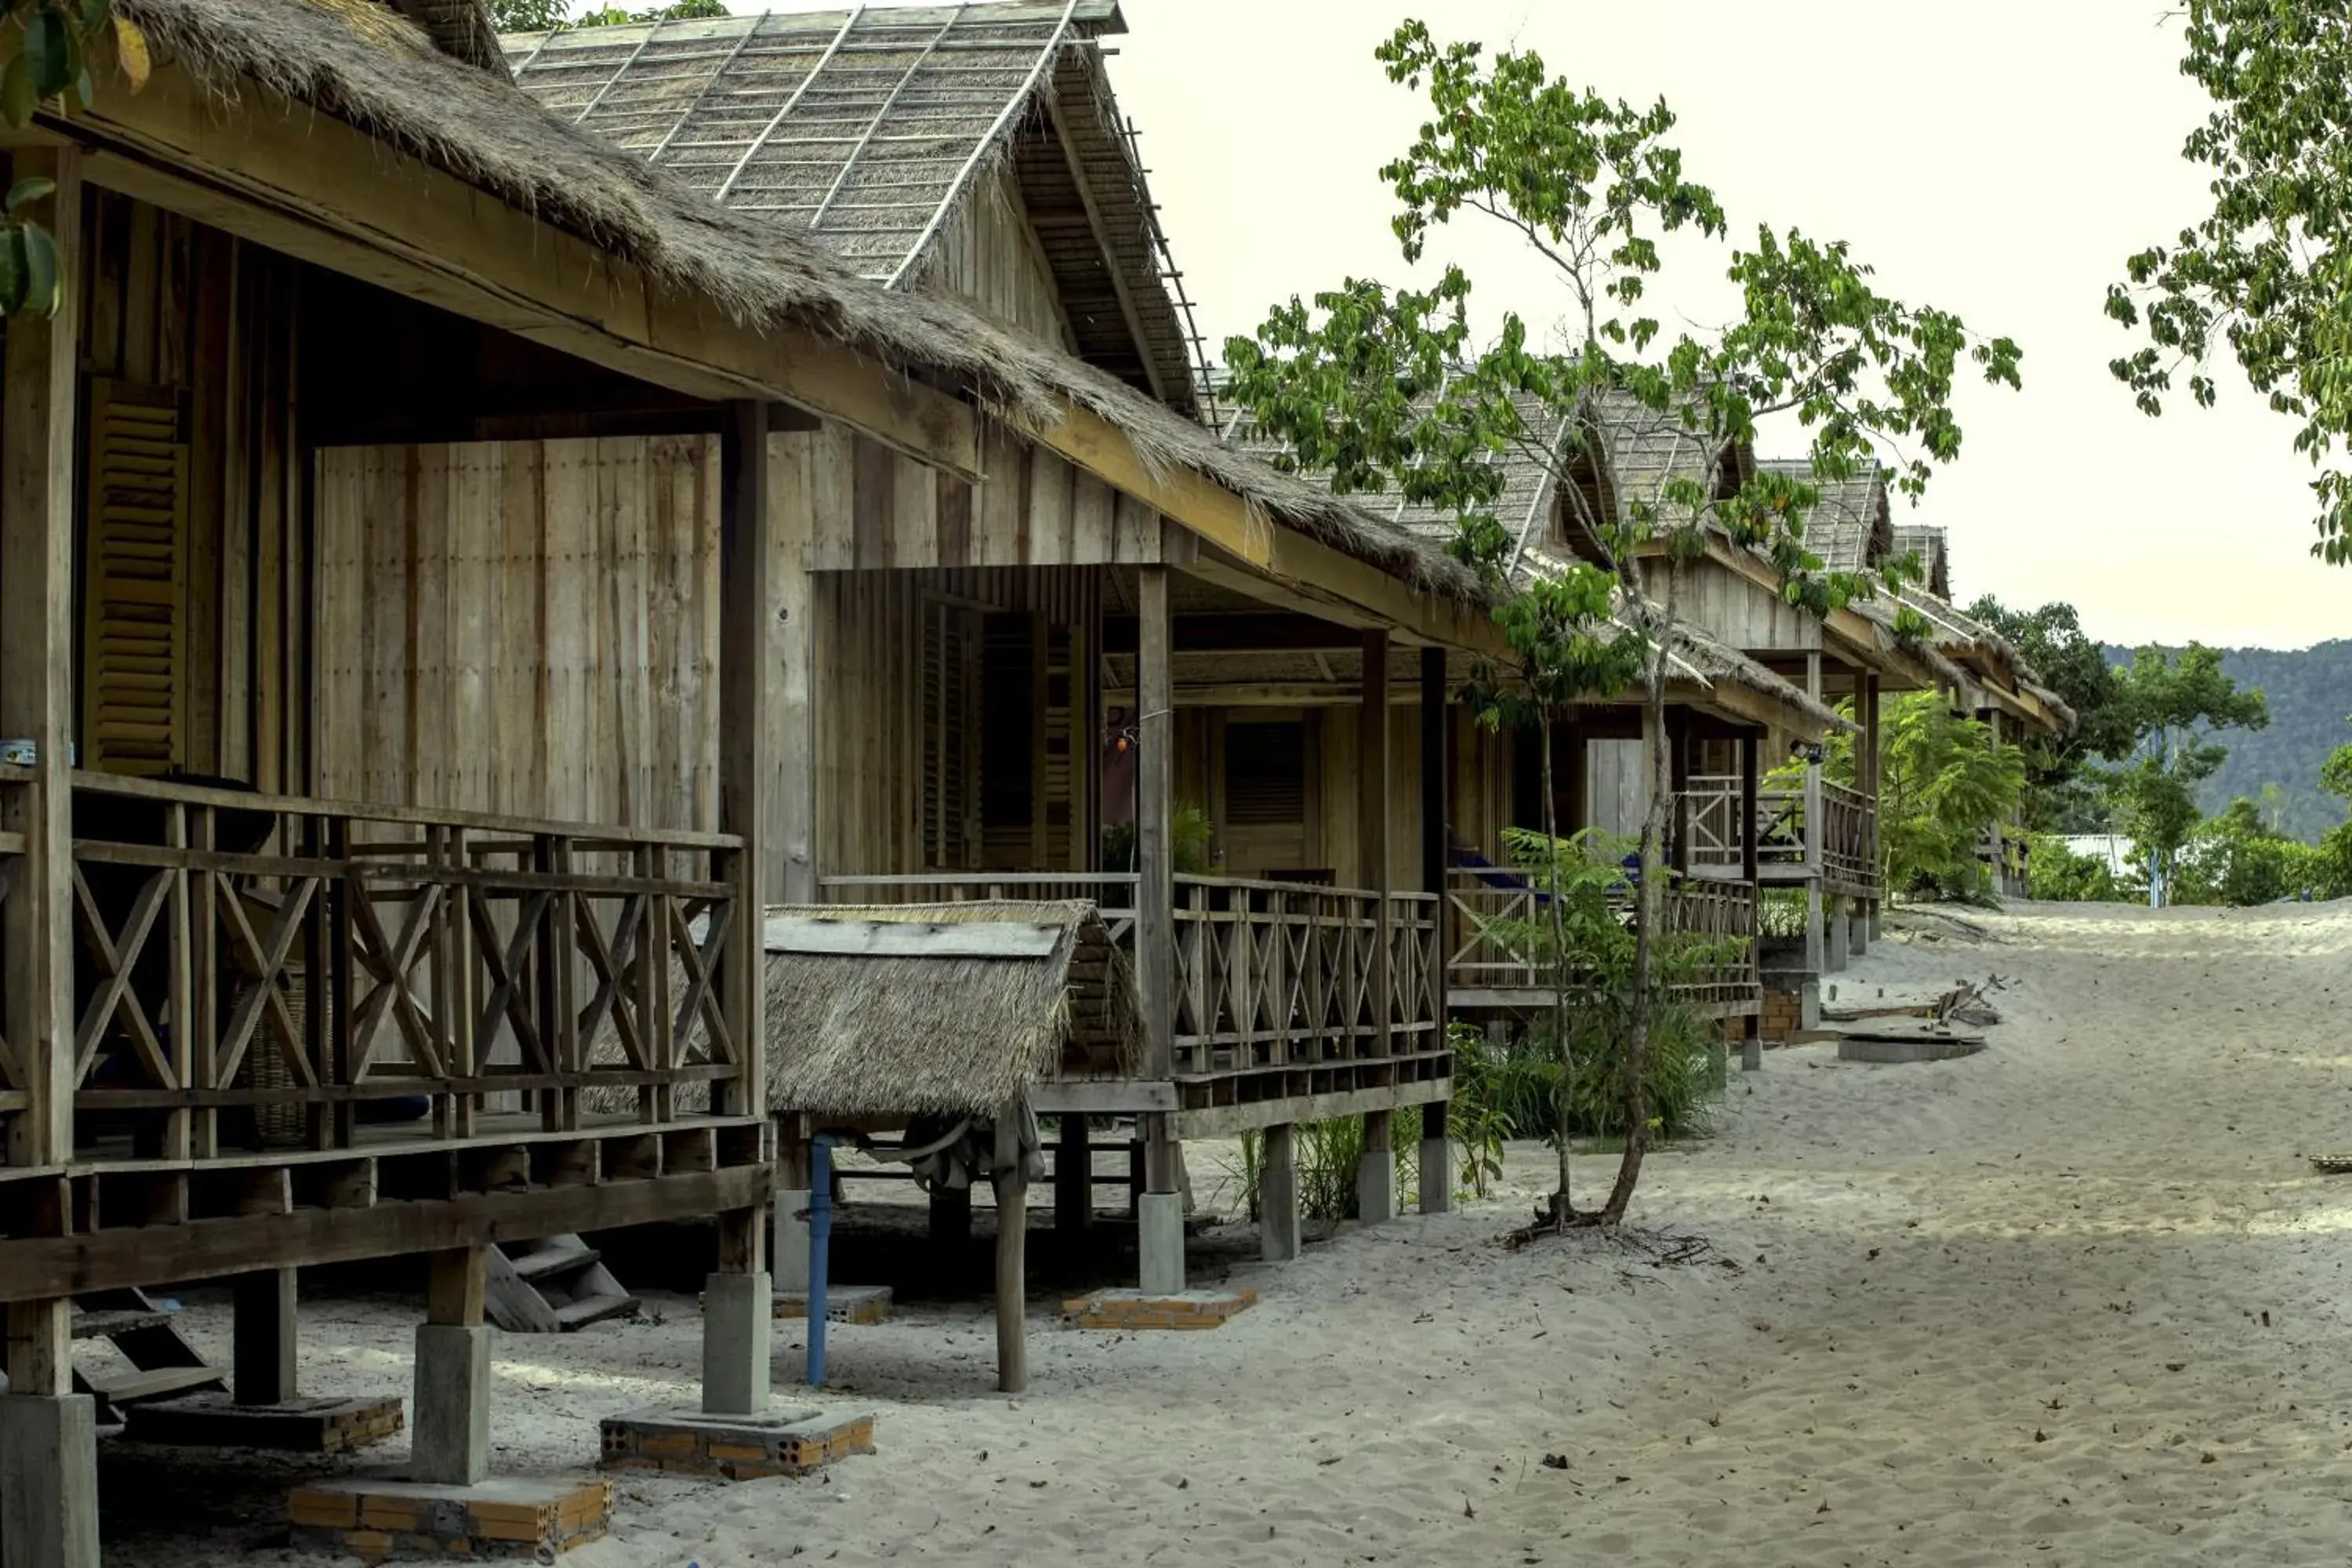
(356, 60)
(1851, 527)
(853, 1035)
(1933, 546)
(458, 28)
(872, 127)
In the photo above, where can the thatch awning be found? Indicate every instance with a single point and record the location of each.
(923, 1009)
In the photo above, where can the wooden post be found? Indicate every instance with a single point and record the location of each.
(1074, 1176)
(1277, 1195)
(263, 1370)
(1436, 789)
(36, 675)
(1748, 745)
(49, 1444)
(747, 749)
(1679, 773)
(1372, 824)
(1816, 957)
(456, 1287)
(1012, 1243)
(1160, 1209)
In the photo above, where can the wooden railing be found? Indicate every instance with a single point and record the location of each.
(1269, 976)
(1843, 849)
(1113, 893)
(1272, 975)
(271, 970)
(1484, 960)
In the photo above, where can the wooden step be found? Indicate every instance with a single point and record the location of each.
(160, 1382)
(106, 1324)
(593, 1310)
(555, 1262)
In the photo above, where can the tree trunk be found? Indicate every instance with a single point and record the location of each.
(1649, 902)
(1562, 1212)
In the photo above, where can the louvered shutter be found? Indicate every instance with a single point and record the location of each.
(950, 739)
(135, 575)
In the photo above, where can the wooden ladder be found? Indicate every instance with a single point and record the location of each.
(552, 1286)
(164, 1364)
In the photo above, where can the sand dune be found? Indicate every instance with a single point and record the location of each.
(2077, 1300)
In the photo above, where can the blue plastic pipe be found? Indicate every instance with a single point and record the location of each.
(820, 1243)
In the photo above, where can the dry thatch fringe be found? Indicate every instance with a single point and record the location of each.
(892, 1036)
(351, 59)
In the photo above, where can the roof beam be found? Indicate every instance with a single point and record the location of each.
(283, 175)
(1117, 274)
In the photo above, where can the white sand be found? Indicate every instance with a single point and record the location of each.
(2003, 1309)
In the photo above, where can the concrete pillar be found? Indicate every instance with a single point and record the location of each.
(788, 1248)
(1376, 1170)
(1436, 1160)
(1751, 1045)
(1838, 927)
(1874, 920)
(449, 1434)
(49, 1481)
(1858, 923)
(263, 1332)
(1816, 932)
(1160, 1243)
(1277, 1195)
(738, 1315)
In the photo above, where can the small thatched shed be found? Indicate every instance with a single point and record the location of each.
(882, 1011)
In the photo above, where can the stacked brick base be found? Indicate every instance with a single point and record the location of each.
(1134, 1309)
(374, 1520)
(1784, 1013)
(843, 1304)
(734, 1448)
(298, 1425)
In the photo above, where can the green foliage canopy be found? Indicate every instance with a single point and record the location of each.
(1944, 781)
(2175, 704)
(2267, 273)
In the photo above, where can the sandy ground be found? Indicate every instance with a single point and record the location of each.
(2077, 1300)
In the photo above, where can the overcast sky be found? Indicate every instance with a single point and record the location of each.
(1998, 160)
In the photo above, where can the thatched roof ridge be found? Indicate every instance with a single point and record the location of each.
(357, 61)
(872, 127)
(1933, 546)
(893, 1036)
(461, 29)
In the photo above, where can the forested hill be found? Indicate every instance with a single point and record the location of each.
(2309, 694)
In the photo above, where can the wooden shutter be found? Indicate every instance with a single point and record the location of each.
(134, 585)
(950, 737)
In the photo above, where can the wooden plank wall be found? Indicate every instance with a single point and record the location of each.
(987, 255)
(1745, 615)
(871, 508)
(173, 306)
(1616, 787)
(523, 626)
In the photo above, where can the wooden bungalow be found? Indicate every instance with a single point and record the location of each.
(1724, 709)
(1019, 688)
(418, 528)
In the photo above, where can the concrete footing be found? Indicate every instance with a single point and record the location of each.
(1376, 1186)
(843, 1303)
(1436, 1176)
(1277, 1197)
(450, 1444)
(1836, 936)
(739, 1311)
(377, 1520)
(299, 1425)
(734, 1448)
(49, 1481)
(1147, 1310)
(788, 1248)
(1159, 1242)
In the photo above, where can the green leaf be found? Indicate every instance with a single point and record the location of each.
(41, 291)
(131, 52)
(48, 48)
(25, 193)
(18, 94)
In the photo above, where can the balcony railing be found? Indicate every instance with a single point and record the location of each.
(1488, 963)
(1835, 839)
(271, 972)
(1270, 977)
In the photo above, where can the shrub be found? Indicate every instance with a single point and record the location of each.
(2061, 875)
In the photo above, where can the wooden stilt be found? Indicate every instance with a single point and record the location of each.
(1012, 1256)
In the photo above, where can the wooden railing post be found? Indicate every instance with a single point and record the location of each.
(1372, 826)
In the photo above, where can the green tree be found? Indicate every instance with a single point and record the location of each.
(530, 15)
(2335, 848)
(683, 10)
(1944, 782)
(1381, 388)
(2267, 273)
(2061, 797)
(2175, 704)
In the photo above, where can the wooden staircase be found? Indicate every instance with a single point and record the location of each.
(552, 1286)
(163, 1363)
